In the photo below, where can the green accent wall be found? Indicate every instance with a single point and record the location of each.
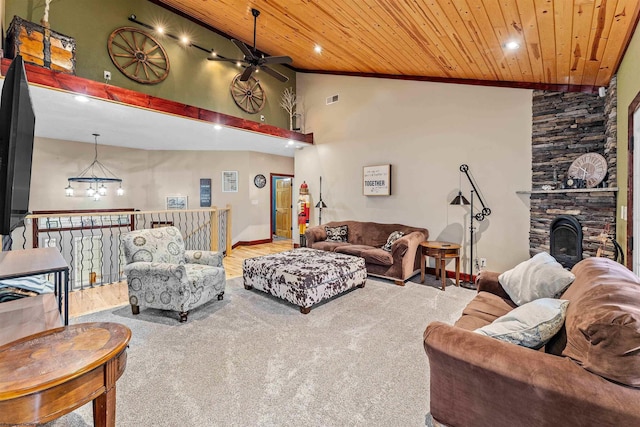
(192, 79)
(628, 89)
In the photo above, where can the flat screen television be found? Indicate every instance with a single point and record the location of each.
(17, 125)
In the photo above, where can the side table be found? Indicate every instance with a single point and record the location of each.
(441, 251)
(49, 374)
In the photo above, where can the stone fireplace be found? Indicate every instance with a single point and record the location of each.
(565, 126)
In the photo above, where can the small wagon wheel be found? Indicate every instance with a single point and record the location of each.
(249, 95)
(138, 55)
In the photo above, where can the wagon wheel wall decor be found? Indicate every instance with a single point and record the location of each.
(249, 95)
(138, 55)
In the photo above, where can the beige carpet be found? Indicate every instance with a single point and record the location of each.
(253, 360)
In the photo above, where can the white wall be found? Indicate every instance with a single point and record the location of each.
(150, 176)
(425, 131)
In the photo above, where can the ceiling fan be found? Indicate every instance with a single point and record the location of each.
(254, 61)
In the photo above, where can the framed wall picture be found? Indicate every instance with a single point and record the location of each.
(177, 203)
(205, 192)
(376, 180)
(229, 181)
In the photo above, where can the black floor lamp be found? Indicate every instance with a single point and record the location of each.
(480, 216)
(320, 205)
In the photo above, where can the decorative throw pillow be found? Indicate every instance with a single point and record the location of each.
(391, 239)
(539, 277)
(337, 234)
(530, 325)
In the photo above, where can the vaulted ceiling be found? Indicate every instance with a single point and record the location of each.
(561, 42)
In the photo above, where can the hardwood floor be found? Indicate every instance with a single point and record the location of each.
(116, 294)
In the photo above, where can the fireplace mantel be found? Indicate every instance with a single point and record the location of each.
(569, 190)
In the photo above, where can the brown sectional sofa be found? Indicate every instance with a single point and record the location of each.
(365, 239)
(587, 375)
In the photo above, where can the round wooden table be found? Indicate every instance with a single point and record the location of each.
(441, 251)
(52, 373)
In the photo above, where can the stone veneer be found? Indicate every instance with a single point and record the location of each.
(565, 126)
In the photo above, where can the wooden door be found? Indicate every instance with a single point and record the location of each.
(283, 208)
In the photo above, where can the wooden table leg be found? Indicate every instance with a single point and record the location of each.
(104, 409)
(457, 271)
(443, 272)
(423, 259)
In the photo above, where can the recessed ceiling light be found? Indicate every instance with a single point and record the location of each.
(291, 142)
(318, 48)
(159, 30)
(213, 53)
(238, 64)
(82, 98)
(512, 45)
(217, 127)
(184, 39)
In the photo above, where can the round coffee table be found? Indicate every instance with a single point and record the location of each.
(441, 251)
(49, 374)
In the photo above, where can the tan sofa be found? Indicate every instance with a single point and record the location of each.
(587, 375)
(365, 239)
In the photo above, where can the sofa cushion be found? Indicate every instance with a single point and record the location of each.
(602, 329)
(328, 246)
(539, 277)
(337, 234)
(377, 256)
(482, 310)
(391, 239)
(354, 250)
(530, 325)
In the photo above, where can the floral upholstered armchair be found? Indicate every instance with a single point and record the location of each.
(162, 274)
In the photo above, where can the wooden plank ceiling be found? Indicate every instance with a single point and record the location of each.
(562, 42)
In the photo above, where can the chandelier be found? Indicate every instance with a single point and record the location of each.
(97, 175)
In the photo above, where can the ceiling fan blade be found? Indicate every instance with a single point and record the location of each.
(277, 60)
(243, 48)
(274, 73)
(247, 73)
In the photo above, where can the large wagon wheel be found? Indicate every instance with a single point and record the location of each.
(138, 55)
(248, 95)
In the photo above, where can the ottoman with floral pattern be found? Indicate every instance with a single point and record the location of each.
(304, 276)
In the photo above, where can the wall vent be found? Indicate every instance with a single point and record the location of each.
(332, 99)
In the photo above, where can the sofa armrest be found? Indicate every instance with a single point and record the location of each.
(314, 234)
(478, 380)
(488, 281)
(405, 250)
(210, 258)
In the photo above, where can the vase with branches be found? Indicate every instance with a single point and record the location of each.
(288, 102)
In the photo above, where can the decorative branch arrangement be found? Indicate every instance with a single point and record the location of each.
(45, 18)
(288, 102)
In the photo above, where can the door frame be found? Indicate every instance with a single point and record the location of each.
(272, 202)
(633, 106)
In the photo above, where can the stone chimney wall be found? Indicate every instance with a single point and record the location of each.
(565, 126)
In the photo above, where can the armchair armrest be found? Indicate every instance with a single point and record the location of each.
(479, 380)
(488, 281)
(210, 258)
(315, 234)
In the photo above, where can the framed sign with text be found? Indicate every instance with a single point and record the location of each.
(376, 180)
(205, 192)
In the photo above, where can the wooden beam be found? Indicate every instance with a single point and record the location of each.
(69, 83)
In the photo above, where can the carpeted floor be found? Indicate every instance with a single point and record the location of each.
(253, 360)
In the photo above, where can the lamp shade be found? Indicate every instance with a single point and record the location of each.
(459, 200)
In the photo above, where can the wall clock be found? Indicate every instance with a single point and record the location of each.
(138, 55)
(260, 181)
(590, 167)
(249, 95)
